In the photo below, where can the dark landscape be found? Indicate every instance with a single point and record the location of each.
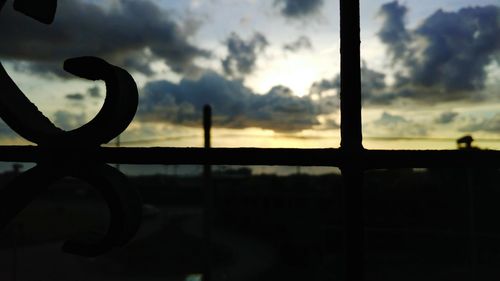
(420, 224)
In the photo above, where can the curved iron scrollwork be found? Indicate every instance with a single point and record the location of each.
(73, 153)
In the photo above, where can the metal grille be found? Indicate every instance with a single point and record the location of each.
(351, 157)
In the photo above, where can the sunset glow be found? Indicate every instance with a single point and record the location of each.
(270, 71)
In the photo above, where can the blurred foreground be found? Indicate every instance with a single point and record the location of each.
(419, 225)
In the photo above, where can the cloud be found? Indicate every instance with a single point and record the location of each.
(444, 59)
(94, 92)
(390, 119)
(298, 8)
(325, 85)
(393, 31)
(303, 42)
(488, 124)
(75, 97)
(392, 125)
(67, 120)
(446, 56)
(242, 55)
(234, 105)
(446, 117)
(373, 87)
(130, 33)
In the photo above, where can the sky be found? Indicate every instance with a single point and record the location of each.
(270, 69)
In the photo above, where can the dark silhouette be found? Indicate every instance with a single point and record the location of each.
(290, 228)
(465, 142)
(73, 153)
(208, 195)
(43, 11)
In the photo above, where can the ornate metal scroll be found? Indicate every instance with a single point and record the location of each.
(73, 153)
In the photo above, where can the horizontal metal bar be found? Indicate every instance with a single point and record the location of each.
(367, 159)
(431, 159)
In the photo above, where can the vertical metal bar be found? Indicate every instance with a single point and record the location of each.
(350, 75)
(208, 196)
(351, 138)
(207, 124)
(118, 144)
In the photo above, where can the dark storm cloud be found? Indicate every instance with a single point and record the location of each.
(373, 87)
(298, 8)
(459, 47)
(446, 117)
(75, 97)
(303, 42)
(447, 54)
(393, 31)
(130, 34)
(324, 85)
(234, 105)
(94, 92)
(242, 55)
(444, 59)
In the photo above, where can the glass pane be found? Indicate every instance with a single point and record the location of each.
(267, 224)
(267, 68)
(432, 224)
(430, 73)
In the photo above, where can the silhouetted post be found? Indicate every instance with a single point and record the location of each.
(351, 135)
(207, 124)
(208, 194)
(118, 144)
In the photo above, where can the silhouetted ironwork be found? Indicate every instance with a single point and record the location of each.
(320, 157)
(73, 153)
(351, 137)
(79, 153)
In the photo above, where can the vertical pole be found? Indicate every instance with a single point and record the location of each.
(350, 75)
(351, 135)
(207, 124)
(118, 144)
(208, 195)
